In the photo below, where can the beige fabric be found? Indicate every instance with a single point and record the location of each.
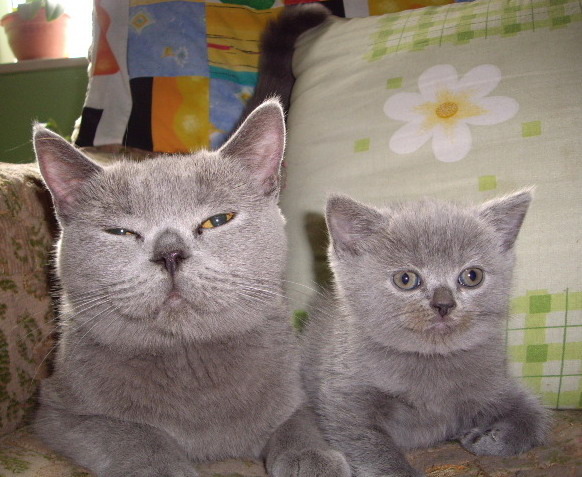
(26, 319)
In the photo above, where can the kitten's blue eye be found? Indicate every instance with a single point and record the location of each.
(217, 220)
(471, 277)
(406, 280)
(120, 231)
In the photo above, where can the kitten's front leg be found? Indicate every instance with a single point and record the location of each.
(357, 424)
(372, 453)
(523, 424)
(297, 449)
(112, 448)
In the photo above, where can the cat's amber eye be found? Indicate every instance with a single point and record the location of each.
(406, 280)
(121, 231)
(217, 220)
(471, 277)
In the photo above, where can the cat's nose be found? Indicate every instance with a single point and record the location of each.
(169, 251)
(443, 301)
(170, 260)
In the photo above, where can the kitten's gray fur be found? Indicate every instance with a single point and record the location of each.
(175, 340)
(388, 370)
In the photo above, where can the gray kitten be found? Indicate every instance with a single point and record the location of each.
(175, 341)
(409, 350)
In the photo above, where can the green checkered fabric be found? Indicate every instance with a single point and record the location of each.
(414, 30)
(544, 338)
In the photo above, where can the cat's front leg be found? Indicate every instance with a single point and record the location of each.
(523, 424)
(112, 448)
(297, 449)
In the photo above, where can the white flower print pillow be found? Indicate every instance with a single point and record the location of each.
(445, 107)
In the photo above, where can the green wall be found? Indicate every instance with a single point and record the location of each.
(56, 94)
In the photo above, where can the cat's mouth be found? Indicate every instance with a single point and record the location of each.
(175, 297)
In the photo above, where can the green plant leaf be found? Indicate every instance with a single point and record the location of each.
(53, 10)
(27, 11)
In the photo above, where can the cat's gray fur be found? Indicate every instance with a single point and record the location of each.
(277, 46)
(385, 370)
(175, 341)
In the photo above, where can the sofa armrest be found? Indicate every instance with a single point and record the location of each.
(27, 229)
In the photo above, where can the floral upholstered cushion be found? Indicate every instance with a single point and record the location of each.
(23, 454)
(462, 102)
(26, 319)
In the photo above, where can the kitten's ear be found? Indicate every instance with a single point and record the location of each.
(260, 142)
(63, 168)
(506, 215)
(350, 223)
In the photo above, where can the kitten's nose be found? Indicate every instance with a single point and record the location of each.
(443, 301)
(170, 260)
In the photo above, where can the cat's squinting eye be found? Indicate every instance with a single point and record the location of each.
(217, 220)
(471, 277)
(121, 231)
(406, 280)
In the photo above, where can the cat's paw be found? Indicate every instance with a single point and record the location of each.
(311, 463)
(501, 439)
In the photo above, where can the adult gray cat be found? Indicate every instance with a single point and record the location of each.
(277, 46)
(175, 341)
(409, 350)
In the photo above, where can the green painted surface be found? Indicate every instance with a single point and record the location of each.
(56, 94)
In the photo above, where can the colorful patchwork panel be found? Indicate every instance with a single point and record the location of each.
(174, 75)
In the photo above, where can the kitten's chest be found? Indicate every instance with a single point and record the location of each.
(441, 385)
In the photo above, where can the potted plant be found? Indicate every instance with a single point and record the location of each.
(37, 29)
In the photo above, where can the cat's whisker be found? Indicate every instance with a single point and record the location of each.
(39, 366)
(95, 319)
(57, 320)
(306, 289)
(67, 319)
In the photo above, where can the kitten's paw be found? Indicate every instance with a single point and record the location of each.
(500, 439)
(311, 463)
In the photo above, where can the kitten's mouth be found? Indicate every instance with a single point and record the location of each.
(442, 327)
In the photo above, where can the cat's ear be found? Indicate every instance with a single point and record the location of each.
(506, 215)
(351, 223)
(260, 143)
(64, 168)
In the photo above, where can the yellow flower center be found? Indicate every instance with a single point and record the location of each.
(447, 109)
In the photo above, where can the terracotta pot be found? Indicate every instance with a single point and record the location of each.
(36, 38)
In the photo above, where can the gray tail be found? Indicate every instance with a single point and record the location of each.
(277, 47)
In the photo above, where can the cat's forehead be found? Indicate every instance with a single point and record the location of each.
(171, 181)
